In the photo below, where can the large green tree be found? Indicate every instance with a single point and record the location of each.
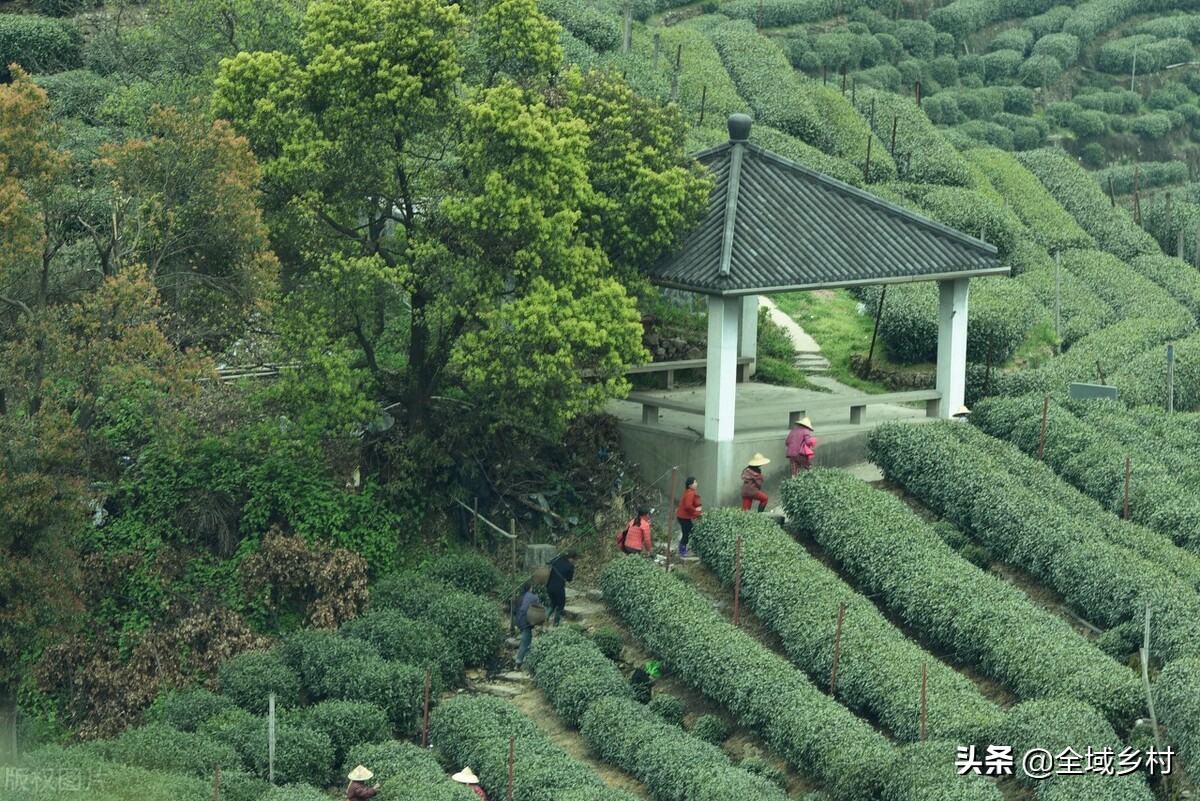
(466, 215)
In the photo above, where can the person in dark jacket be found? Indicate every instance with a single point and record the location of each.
(636, 536)
(688, 513)
(562, 570)
(529, 600)
(358, 790)
(752, 484)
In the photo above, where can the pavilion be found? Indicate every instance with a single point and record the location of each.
(776, 226)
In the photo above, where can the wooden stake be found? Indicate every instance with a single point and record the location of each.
(1170, 379)
(837, 648)
(1045, 412)
(918, 94)
(679, 58)
(271, 738)
(216, 783)
(923, 700)
(512, 744)
(671, 516)
(1145, 654)
(737, 579)
(760, 5)
(895, 122)
(875, 330)
(475, 524)
(1112, 194)
(1128, 464)
(843, 80)
(1179, 244)
(657, 47)
(627, 41)
(425, 718)
(867, 165)
(703, 100)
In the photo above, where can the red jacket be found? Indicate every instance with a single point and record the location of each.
(689, 506)
(638, 538)
(479, 792)
(752, 481)
(357, 791)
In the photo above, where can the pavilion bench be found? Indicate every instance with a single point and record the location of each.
(666, 370)
(652, 404)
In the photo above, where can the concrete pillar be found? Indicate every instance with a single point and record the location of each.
(748, 332)
(720, 383)
(952, 344)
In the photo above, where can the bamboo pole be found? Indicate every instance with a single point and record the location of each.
(867, 165)
(924, 696)
(512, 745)
(671, 517)
(895, 122)
(1128, 465)
(425, 717)
(216, 783)
(837, 648)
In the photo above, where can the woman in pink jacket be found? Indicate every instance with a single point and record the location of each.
(636, 536)
(800, 444)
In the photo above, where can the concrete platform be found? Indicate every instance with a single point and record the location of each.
(761, 426)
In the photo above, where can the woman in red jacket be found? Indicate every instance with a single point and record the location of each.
(636, 536)
(752, 484)
(688, 513)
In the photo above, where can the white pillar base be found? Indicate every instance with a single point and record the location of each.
(748, 332)
(720, 389)
(952, 344)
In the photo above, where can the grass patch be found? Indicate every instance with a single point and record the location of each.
(777, 356)
(832, 319)
(1038, 346)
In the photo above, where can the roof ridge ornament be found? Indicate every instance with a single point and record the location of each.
(739, 128)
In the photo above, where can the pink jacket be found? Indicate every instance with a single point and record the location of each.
(800, 442)
(638, 538)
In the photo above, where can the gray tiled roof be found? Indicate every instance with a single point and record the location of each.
(788, 227)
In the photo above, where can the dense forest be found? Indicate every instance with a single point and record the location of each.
(282, 281)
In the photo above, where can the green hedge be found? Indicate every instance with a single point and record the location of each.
(847, 131)
(294, 792)
(802, 153)
(1092, 18)
(667, 707)
(1059, 725)
(314, 654)
(1165, 222)
(892, 554)
(77, 93)
(1175, 694)
(1177, 277)
(573, 673)
(1129, 294)
(1113, 228)
(467, 572)
(964, 17)
(879, 669)
(188, 709)
(765, 78)
(399, 638)
(1090, 456)
(472, 625)
(1153, 54)
(475, 731)
(1001, 312)
(1105, 582)
(249, 678)
(38, 44)
(409, 592)
(1048, 223)
(157, 746)
(1064, 47)
(702, 75)
(601, 31)
(398, 688)
(1150, 175)
(811, 731)
(404, 770)
(588, 691)
(302, 754)
(347, 724)
(922, 155)
(1143, 380)
(1110, 347)
(120, 782)
(781, 13)
(1175, 438)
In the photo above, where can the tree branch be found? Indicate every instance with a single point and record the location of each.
(16, 304)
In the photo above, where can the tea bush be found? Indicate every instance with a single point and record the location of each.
(187, 709)
(249, 678)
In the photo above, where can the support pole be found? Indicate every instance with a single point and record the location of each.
(425, 717)
(837, 648)
(1128, 465)
(895, 122)
(216, 783)
(1145, 654)
(867, 165)
(512, 744)
(1045, 413)
(657, 47)
(1057, 293)
(875, 330)
(627, 41)
(671, 516)
(1112, 194)
(703, 100)
(475, 524)
(737, 579)
(271, 739)
(760, 5)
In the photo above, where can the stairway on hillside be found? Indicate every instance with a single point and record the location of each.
(808, 352)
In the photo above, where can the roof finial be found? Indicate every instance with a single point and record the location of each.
(739, 128)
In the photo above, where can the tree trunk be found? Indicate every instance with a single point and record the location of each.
(8, 726)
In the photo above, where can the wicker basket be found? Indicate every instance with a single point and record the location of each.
(536, 615)
(541, 574)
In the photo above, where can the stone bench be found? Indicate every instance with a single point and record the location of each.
(858, 404)
(666, 370)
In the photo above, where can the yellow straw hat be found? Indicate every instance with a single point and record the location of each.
(759, 460)
(961, 411)
(360, 774)
(465, 776)
(806, 422)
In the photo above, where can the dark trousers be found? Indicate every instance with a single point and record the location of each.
(558, 602)
(685, 526)
(800, 463)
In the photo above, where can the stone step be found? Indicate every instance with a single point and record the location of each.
(580, 610)
(504, 691)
